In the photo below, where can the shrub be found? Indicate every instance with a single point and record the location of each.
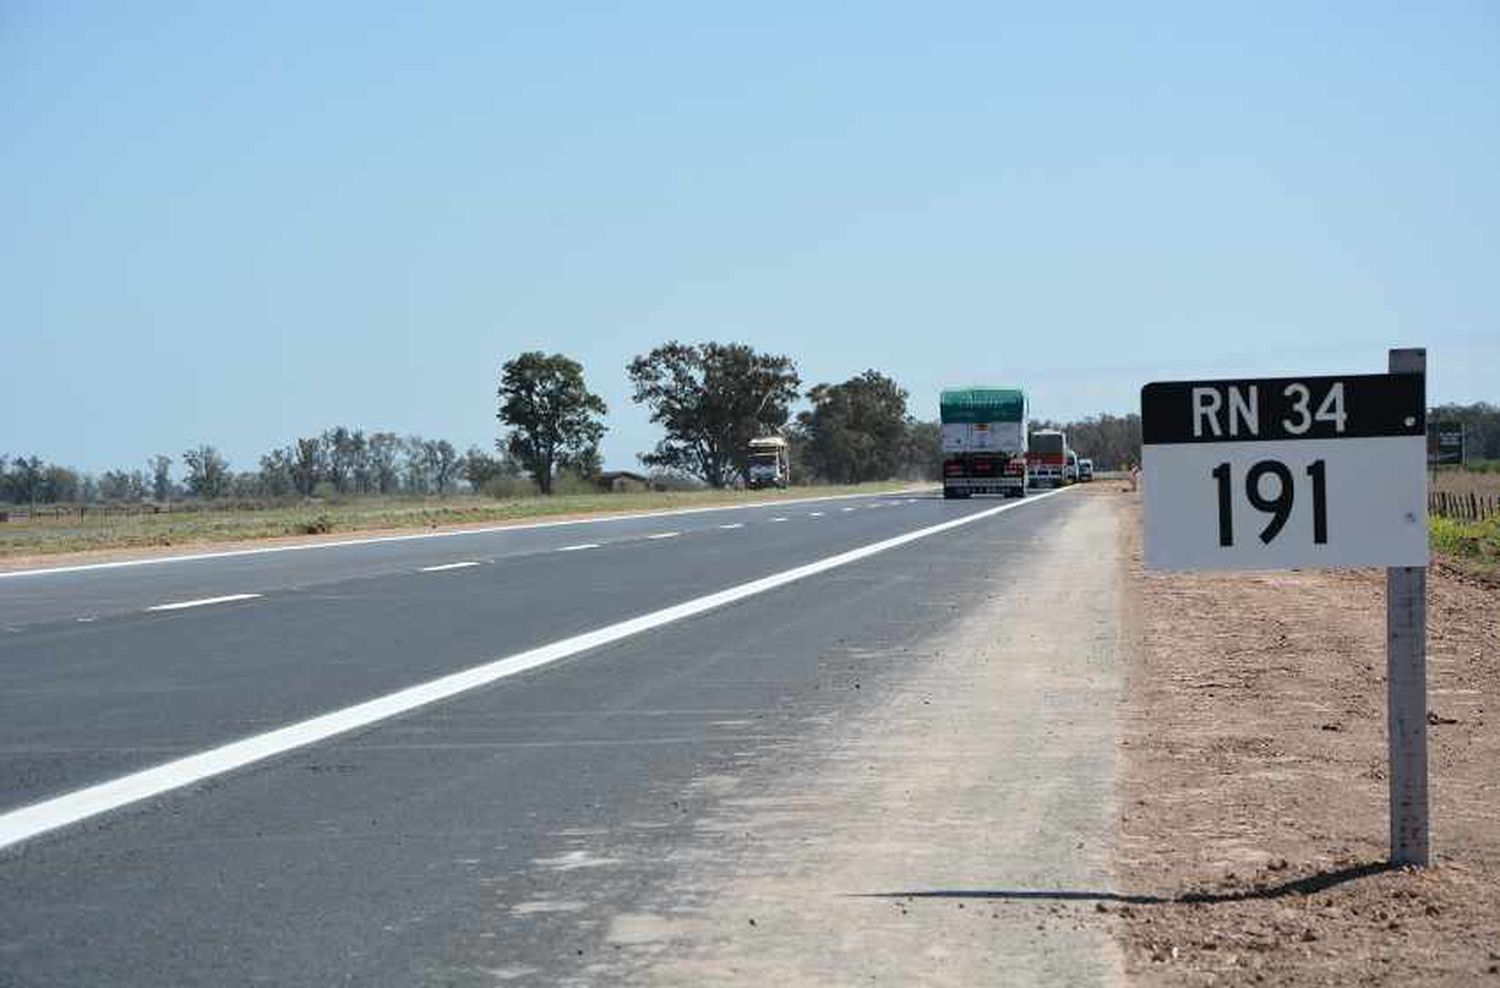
(570, 483)
(506, 488)
(319, 524)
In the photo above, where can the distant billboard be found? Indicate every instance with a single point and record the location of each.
(1445, 444)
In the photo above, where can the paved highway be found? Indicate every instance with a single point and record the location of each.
(423, 842)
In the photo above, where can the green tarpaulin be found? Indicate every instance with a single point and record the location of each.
(982, 405)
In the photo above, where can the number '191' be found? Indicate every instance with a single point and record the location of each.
(1278, 505)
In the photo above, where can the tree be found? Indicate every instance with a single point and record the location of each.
(207, 472)
(122, 485)
(276, 473)
(161, 477)
(1111, 441)
(309, 464)
(26, 480)
(552, 414)
(857, 430)
(923, 459)
(479, 468)
(712, 399)
(382, 452)
(439, 464)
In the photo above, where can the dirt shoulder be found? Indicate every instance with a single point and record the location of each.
(1253, 825)
(941, 837)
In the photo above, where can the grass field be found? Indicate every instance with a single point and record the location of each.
(32, 537)
(1473, 546)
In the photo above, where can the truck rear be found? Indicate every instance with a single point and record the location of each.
(1047, 458)
(984, 441)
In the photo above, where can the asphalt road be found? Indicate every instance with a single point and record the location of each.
(425, 848)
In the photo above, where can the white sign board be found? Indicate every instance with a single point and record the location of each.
(1276, 473)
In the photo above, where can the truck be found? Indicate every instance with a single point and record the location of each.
(1047, 458)
(769, 465)
(984, 441)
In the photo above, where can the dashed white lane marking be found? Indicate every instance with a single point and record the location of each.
(581, 545)
(815, 514)
(379, 539)
(783, 518)
(446, 566)
(738, 524)
(664, 535)
(60, 811)
(203, 602)
(846, 509)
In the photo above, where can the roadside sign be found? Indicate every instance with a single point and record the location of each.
(1275, 473)
(1445, 444)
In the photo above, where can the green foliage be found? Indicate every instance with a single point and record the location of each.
(712, 399)
(1471, 542)
(319, 524)
(922, 456)
(480, 468)
(1113, 442)
(569, 483)
(553, 416)
(207, 472)
(505, 487)
(857, 430)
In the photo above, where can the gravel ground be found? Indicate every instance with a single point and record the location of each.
(1252, 830)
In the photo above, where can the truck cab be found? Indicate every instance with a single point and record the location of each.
(769, 464)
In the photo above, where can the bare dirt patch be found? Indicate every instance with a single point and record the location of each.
(1253, 827)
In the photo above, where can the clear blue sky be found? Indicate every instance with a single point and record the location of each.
(238, 223)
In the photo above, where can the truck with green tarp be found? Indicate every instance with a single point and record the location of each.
(984, 441)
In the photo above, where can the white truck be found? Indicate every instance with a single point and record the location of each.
(984, 441)
(769, 464)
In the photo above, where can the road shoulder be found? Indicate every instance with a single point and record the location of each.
(945, 838)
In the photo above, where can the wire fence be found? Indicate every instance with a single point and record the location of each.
(1463, 506)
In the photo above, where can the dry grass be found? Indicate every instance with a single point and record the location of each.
(1465, 482)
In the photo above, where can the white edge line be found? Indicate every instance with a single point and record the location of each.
(378, 539)
(203, 602)
(581, 545)
(447, 566)
(61, 811)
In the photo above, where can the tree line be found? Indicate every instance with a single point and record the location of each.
(709, 399)
(339, 461)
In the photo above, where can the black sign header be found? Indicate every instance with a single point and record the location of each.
(1354, 406)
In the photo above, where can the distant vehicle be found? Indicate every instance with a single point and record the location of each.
(769, 466)
(1085, 470)
(1047, 458)
(1070, 470)
(984, 441)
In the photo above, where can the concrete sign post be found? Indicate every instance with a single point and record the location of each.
(1406, 684)
(1279, 473)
